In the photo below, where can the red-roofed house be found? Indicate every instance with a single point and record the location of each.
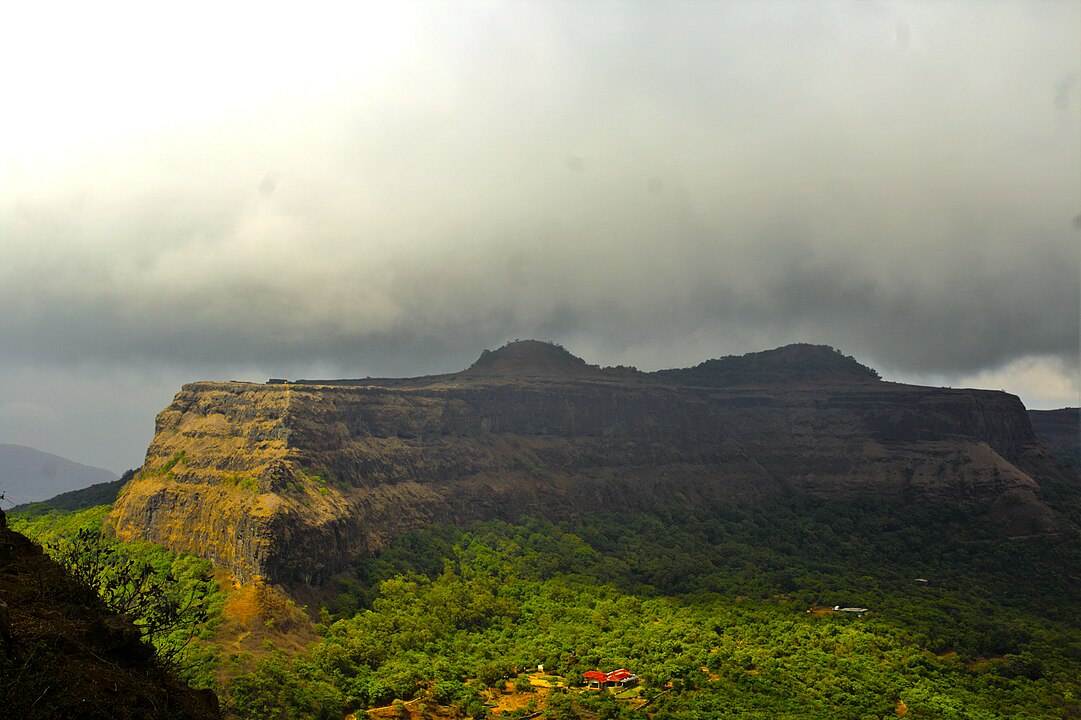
(595, 678)
(621, 677)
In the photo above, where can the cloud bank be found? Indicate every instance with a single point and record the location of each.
(389, 190)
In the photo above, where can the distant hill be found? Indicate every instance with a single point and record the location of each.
(81, 499)
(29, 475)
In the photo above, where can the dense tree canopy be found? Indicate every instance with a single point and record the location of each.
(722, 612)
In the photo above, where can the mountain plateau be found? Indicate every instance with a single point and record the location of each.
(290, 482)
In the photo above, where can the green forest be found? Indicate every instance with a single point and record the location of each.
(722, 611)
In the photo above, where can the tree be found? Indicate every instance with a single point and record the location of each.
(491, 674)
(561, 707)
(167, 616)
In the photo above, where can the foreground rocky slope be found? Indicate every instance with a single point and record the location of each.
(64, 656)
(289, 482)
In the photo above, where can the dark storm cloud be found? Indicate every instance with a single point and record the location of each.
(648, 184)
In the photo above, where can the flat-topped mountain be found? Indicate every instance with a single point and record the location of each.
(291, 482)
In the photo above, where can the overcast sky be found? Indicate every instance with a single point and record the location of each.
(244, 190)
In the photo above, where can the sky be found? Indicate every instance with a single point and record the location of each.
(214, 191)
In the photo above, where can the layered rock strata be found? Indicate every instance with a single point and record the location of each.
(290, 482)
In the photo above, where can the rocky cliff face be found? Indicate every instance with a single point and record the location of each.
(1059, 430)
(291, 482)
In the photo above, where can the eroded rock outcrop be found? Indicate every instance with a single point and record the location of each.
(290, 482)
